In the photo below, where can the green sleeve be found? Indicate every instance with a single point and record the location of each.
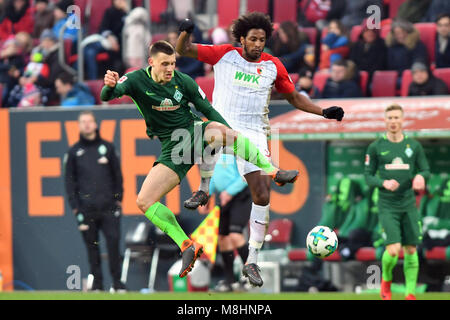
(371, 167)
(422, 163)
(122, 88)
(201, 103)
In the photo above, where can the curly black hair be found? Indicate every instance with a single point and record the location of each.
(253, 20)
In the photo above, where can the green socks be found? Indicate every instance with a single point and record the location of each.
(164, 219)
(411, 270)
(388, 263)
(246, 150)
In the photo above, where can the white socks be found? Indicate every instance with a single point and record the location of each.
(259, 223)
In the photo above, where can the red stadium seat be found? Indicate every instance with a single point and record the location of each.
(280, 231)
(384, 83)
(428, 36)
(258, 5)
(297, 254)
(311, 32)
(444, 74)
(156, 8)
(207, 85)
(284, 10)
(406, 81)
(366, 254)
(158, 36)
(98, 9)
(123, 100)
(393, 7)
(227, 11)
(96, 89)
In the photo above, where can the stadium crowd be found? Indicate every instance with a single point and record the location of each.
(331, 50)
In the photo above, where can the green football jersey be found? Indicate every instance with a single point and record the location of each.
(399, 161)
(165, 107)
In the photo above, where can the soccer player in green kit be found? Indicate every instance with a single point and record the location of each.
(163, 97)
(402, 169)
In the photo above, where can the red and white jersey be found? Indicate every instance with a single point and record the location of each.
(242, 89)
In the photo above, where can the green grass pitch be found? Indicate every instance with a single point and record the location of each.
(66, 295)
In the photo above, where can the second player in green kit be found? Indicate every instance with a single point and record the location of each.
(397, 165)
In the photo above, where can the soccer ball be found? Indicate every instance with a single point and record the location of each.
(321, 241)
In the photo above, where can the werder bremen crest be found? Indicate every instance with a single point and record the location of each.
(408, 151)
(166, 105)
(178, 96)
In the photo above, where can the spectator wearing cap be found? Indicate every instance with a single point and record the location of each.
(18, 18)
(424, 83)
(73, 94)
(442, 57)
(341, 84)
(62, 16)
(305, 84)
(43, 18)
(404, 46)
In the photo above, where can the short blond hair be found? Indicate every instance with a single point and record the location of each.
(393, 107)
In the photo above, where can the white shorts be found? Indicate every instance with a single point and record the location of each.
(260, 140)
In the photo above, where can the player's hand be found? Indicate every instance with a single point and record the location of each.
(334, 113)
(111, 78)
(391, 185)
(187, 25)
(418, 183)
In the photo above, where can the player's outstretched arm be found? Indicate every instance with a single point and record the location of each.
(304, 104)
(184, 45)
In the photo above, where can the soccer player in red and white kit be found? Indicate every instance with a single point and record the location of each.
(244, 78)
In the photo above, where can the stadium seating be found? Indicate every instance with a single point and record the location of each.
(280, 231)
(311, 32)
(227, 11)
(82, 4)
(384, 83)
(428, 36)
(363, 81)
(158, 36)
(406, 81)
(96, 88)
(207, 85)
(443, 74)
(284, 10)
(367, 254)
(355, 32)
(258, 6)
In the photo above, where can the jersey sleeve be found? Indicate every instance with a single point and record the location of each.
(211, 54)
(371, 167)
(122, 88)
(283, 82)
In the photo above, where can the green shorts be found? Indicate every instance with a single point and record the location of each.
(187, 146)
(401, 227)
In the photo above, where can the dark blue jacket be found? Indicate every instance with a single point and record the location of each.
(401, 58)
(442, 59)
(343, 89)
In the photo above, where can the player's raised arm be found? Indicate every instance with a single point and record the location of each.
(184, 45)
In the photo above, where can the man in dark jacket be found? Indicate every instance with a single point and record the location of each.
(93, 181)
(425, 83)
(443, 41)
(339, 85)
